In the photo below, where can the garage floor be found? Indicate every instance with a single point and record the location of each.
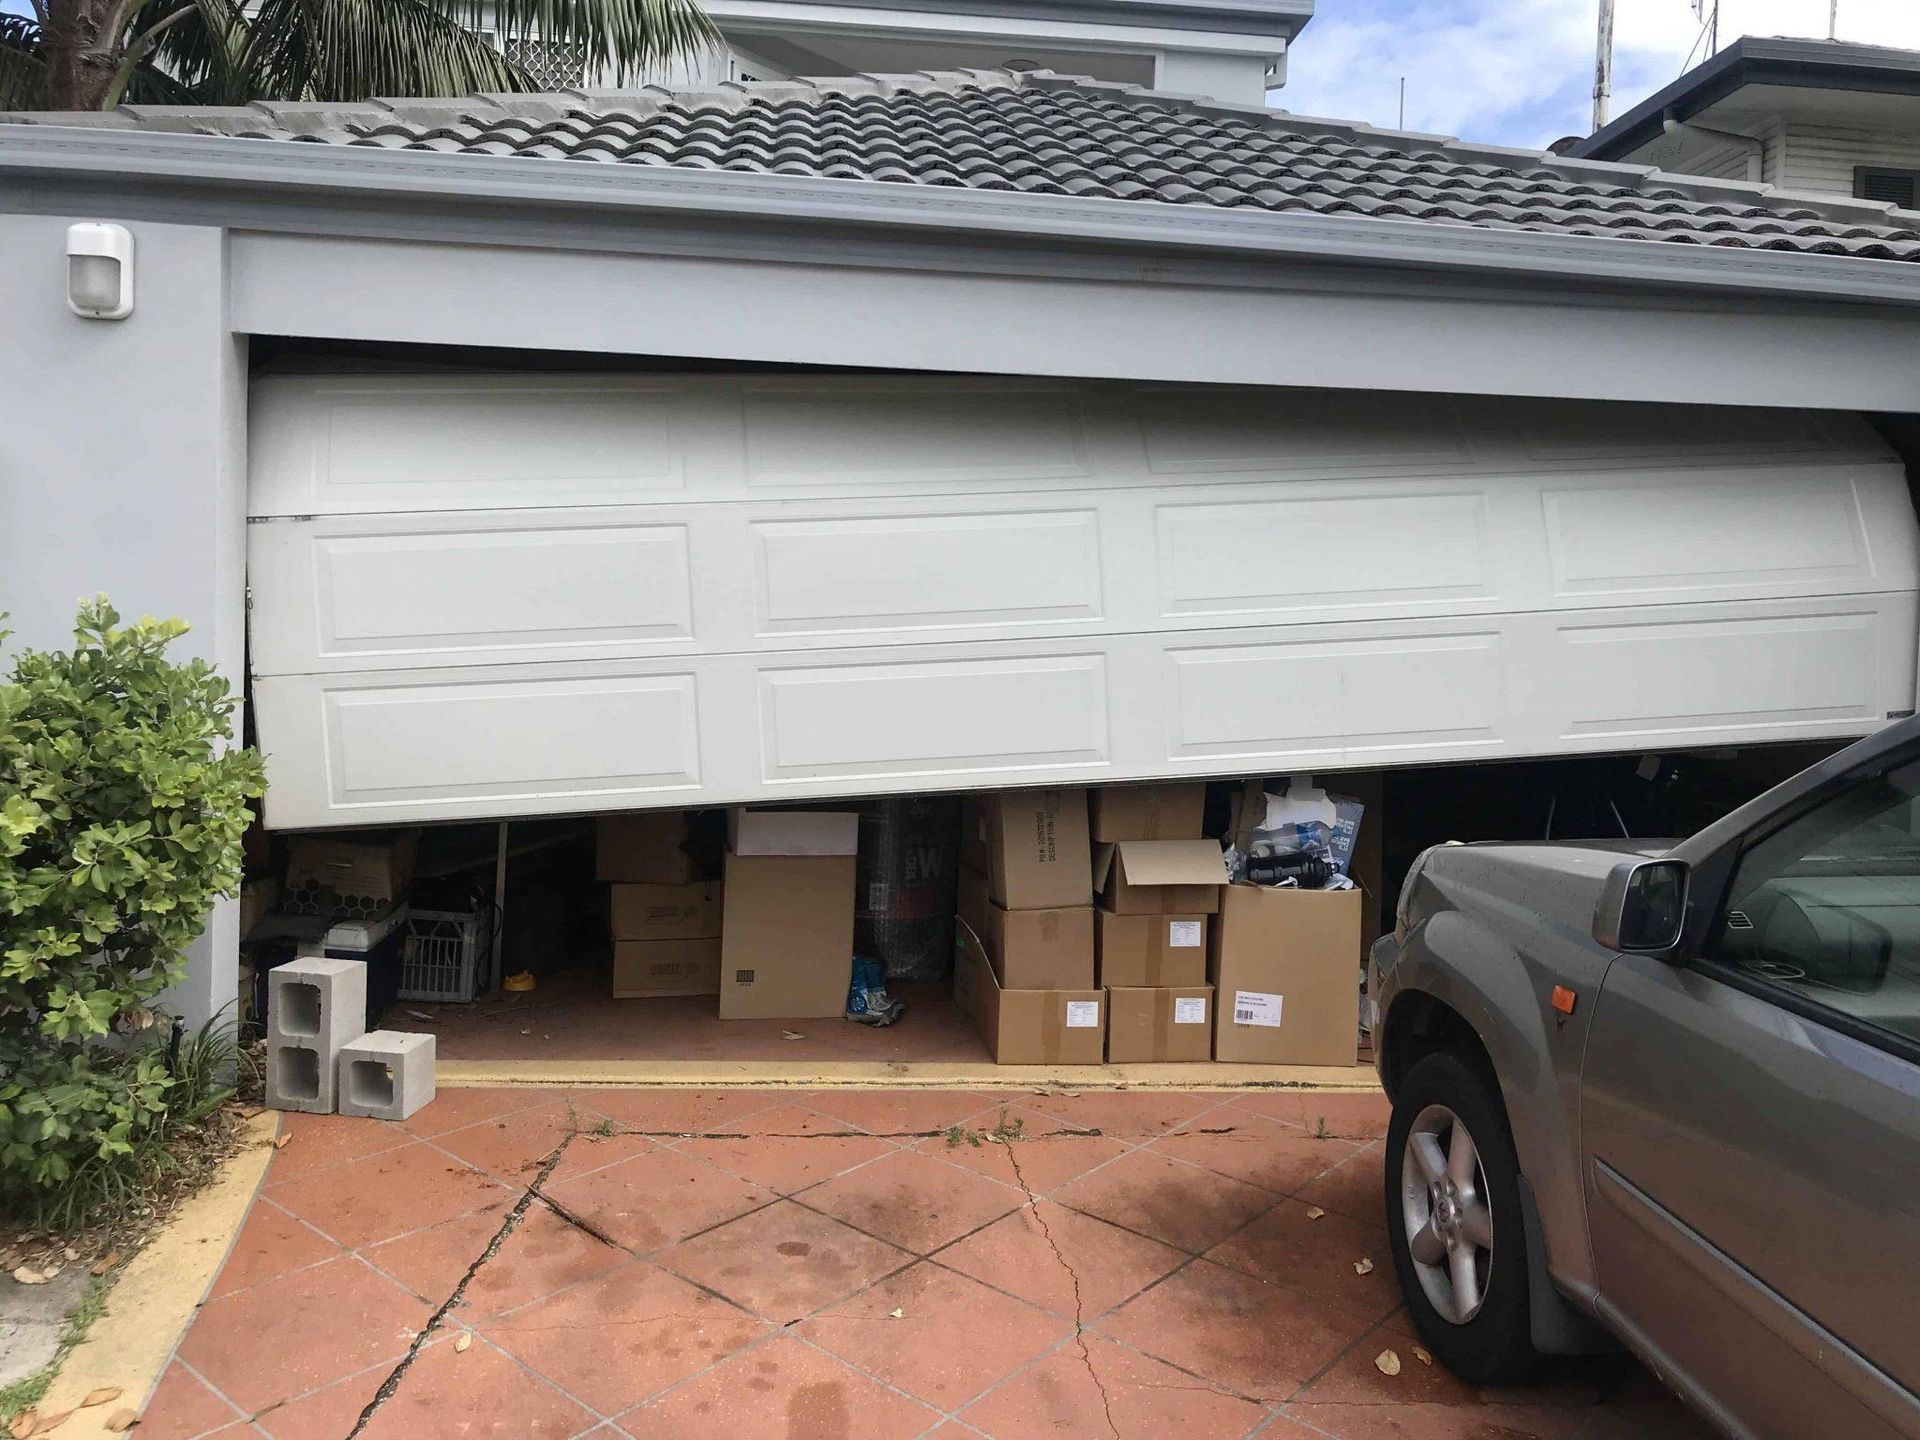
(838, 1266)
(569, 1017)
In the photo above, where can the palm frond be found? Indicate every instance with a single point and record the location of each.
(625, 38)
(22, 75)
(354, 49)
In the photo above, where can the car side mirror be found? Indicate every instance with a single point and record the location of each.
(1642, 906)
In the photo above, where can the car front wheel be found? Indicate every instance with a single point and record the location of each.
(1453, 1213)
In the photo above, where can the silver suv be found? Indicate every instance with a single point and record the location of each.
(1669, 1095)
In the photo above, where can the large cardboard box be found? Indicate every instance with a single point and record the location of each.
(1031, 845)
(1163, 1023)
(666, 912)
(1148, 951)
(1146, 812)
(1040, 949)
(792, 832)
(327, 873)
(1286, 966)
(1026, 1027)
(648, 847)
(647, 968)
(974, 900)
(786, 935)
(1160, 877)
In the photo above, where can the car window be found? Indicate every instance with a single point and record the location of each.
(1828, 906)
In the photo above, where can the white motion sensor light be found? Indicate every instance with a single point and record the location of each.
(100, 270)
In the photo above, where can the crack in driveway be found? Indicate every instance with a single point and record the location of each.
(507, 1226)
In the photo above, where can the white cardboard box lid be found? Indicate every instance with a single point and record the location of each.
(793, 832)
(1168, 862)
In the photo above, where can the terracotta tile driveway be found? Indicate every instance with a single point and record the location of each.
(833, 1266)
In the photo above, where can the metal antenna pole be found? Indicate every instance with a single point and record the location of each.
(1403, 101)
(1603, 66)
(1833, 19)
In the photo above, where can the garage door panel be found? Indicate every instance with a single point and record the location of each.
(1808, 529)
(1301, 696)
(907, 573)
(893, 434)
(886, 718)
(455, 739)
(352, 446)
(1189, 431)
(1269, 557)
(407, 591)
(1647, 676)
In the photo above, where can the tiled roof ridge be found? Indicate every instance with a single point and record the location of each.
(1237, 154)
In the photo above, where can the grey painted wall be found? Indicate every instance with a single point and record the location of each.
(122, 464)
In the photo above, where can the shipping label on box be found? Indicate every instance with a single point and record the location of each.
(654, 968)
(1148, 951)
(1286, 964)
(1147, 812)
(1159, 877)
(1151, 1025)
(665, 912)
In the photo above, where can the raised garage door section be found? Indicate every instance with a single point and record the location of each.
(514, 595)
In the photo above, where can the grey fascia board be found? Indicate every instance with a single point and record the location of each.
(314, 172)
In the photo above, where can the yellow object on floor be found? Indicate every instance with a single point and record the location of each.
(519, 984)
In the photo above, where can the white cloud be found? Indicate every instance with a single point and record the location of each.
(1521, 71)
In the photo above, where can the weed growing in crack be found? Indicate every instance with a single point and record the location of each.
(1320, 1131)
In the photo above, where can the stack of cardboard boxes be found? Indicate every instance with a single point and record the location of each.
(1023, 965)
(665, 915)
(1158, 883)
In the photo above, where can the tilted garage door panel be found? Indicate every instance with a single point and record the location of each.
(514, 595)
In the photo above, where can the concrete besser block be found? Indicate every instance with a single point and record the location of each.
(315, 1005)
(386, 1074)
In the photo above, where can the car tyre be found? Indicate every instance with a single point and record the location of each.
(1467, 1299)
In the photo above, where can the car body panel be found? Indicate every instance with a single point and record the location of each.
(1743, 1171)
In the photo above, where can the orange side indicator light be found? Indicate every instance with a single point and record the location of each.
(1563, 999)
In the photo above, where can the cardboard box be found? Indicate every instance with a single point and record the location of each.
(257, 899)
(786, 935)
(1040, 949)
(366, 876)
(647, 847)
(1031, 845)
(1027, 1027)
(1160, 877)
(643, 968)
(974, 899)
(1149, 951)
(1146, 812)
(792, 832)
(1286, 967)
(665, 912)
(1163, 1023)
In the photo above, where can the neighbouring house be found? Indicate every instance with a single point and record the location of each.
(1815, 117)
(939, 430)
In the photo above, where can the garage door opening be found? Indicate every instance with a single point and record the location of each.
(602, 1009)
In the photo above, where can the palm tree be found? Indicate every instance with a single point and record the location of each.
(92, 54)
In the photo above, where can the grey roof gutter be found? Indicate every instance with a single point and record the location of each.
(1754, 60)
(317, 175)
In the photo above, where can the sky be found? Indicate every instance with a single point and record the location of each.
(1520, 72)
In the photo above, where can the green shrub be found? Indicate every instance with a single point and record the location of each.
(122, 806)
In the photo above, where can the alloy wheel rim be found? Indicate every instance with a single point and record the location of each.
(1447, 1214)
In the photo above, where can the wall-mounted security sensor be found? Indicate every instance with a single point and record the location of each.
(100, 270)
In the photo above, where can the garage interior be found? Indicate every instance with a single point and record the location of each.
(494, 597)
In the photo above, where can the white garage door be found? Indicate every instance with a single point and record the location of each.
(512, 595)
